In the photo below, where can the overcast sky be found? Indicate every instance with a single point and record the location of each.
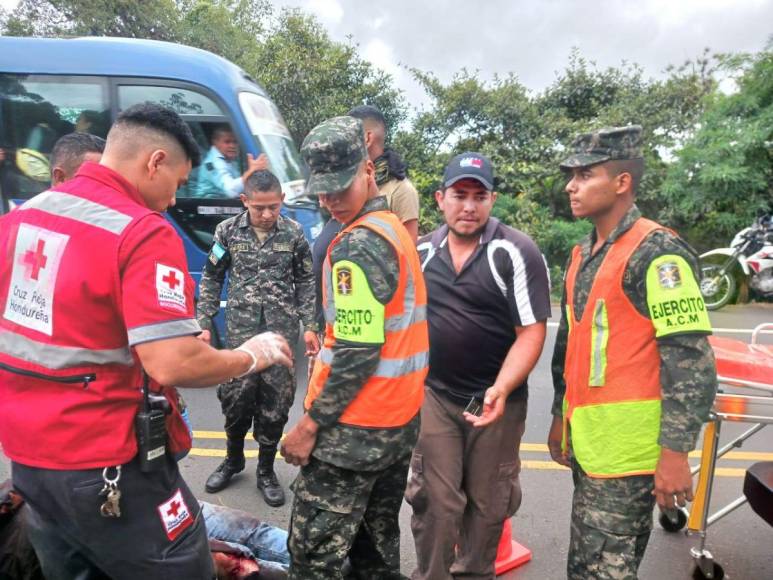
(533, 38)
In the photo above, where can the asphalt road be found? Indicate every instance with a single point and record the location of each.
(742, 542)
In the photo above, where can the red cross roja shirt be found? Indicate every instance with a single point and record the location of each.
(89, 272)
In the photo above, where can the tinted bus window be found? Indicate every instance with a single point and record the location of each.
(180, 100)
(35, 110)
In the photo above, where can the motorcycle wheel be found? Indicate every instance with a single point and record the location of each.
(717, 288)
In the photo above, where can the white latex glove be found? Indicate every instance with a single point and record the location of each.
(266, 349)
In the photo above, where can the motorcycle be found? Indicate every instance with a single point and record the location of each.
(729, 273)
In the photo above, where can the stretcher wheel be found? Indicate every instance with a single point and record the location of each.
(717, 573)
(673, 526)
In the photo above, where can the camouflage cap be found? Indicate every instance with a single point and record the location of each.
(607, 144)
(333, 150)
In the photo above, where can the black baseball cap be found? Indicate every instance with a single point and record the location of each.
(469, 165)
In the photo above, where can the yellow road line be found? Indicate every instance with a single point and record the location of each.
(525, 464)
(531, 447)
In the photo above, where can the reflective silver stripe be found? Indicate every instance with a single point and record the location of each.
(403, 321)
(390, 231)
(393, 368)
(388, 368)
(162, 330)
(326, 355)
(76, 208)
(52, 356)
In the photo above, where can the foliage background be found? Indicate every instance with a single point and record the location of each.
(709, 152)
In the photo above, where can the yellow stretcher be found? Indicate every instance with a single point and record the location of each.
(747, 371)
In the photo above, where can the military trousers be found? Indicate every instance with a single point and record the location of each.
(464, 483)
(260, 401)
(339, 513)
(611, 525)
(160, 533)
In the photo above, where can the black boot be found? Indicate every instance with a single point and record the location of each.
(233, 464)
(268, 483)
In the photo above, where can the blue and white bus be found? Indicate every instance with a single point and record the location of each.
(50, 87)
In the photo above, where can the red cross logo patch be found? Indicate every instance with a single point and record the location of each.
(175, 515)
(37, 255)
(36, 259)
(170, 287)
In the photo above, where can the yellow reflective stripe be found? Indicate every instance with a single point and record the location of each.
(359, 316)
(674, 297)
(568, 318)
(599, 339)
(617, 438)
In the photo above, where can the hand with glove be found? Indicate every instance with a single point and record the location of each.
(266, 349)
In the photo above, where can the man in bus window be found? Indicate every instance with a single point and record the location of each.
(219, 172)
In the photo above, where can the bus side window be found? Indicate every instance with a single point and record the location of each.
(35, 110)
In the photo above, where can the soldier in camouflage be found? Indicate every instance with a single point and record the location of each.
(348, 493)
(270, 287)
(612, 515)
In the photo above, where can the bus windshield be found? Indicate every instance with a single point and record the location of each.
(268, 127)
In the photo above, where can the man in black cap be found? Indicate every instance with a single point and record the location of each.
(488, 297)
(633, 371)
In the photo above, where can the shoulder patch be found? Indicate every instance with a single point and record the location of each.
(216, 253)
(359, 315)
(170, 288)
(674, 298)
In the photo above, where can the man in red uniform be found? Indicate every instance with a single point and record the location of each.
(94, 289)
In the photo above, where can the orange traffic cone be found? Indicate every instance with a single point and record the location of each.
(510, 554)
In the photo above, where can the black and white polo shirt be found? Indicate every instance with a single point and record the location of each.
(472, 315)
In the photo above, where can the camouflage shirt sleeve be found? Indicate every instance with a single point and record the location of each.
(559, 356)
(354, 363)
(303, 276)
(213, 277)
(688, 373)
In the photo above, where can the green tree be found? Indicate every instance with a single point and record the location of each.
(724, 172)
(312, 78)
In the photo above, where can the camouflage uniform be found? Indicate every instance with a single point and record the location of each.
(270, 287)
(612, 518)
(347, 499)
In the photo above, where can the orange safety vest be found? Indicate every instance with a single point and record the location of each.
(612, 370)
(392, 396)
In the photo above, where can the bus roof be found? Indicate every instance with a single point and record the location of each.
(123, 57)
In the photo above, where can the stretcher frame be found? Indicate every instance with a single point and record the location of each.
(755, 409)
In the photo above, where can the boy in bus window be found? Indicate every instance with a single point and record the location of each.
(219, 172)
